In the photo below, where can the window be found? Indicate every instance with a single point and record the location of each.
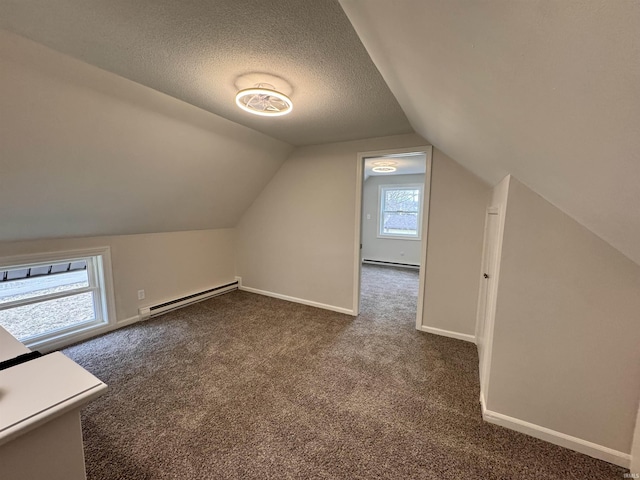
(400, 211)
(55, 298)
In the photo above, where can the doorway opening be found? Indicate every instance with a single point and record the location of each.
(391, 223)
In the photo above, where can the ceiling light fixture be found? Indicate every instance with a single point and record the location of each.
(383, 169)
(263, 99)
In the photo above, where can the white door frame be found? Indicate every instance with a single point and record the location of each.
(428, 151)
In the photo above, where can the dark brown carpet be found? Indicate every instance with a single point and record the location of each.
(248, 387)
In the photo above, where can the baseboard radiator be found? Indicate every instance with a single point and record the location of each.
(156, 310)
(391, 264)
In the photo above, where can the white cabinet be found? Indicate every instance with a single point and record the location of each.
(40, 402)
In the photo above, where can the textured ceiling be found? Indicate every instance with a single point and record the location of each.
(548, 91)
(197, 50)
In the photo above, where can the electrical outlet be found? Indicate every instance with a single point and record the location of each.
(140, 294)
(368, 216)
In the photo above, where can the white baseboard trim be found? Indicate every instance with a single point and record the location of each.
(448, 333)
(557, 438)
(297, 300)
(127, 321)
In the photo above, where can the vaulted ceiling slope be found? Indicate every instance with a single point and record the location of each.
(86, 152)
(202, 52)
(548, 91)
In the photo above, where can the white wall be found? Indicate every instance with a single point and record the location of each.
(500, 193)
(165, 265)
(454, 250)
(297, 239)
(385, 249)
(85, 152)
(565, 345)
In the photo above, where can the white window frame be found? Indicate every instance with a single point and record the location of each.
(100, 285)
(381, 197)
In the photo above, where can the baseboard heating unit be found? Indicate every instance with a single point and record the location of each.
(155, 310)
(391, 264)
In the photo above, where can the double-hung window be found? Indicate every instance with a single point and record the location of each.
(400, 211)
(47, 300)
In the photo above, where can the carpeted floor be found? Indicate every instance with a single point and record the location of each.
(248, 387)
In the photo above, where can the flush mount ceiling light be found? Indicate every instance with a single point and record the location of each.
(263, 99)
(384, 167)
